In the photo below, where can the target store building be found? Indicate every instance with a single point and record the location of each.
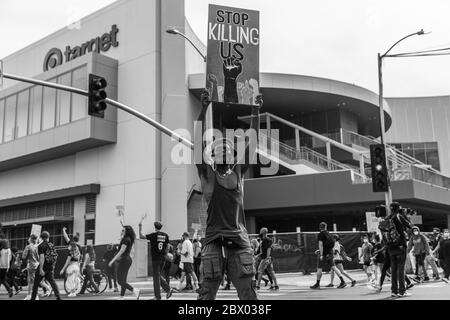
(59, 167)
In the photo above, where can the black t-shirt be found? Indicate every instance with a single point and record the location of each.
(435, 240)
(43, 248)
(127, 242)
(266, 243)
(158, 243)
(327, 242)
(444, 250)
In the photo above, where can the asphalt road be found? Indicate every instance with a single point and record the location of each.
(292, 287)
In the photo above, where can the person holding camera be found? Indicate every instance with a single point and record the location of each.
(394, 228)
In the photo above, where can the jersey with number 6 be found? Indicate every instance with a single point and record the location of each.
(158, 244)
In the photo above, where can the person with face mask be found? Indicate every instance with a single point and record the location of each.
(418, 244)
(443, 248)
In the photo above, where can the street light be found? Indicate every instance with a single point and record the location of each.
(175, 31)
(388, 194)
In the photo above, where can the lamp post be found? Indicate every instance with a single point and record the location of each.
(175, 31)
(388, 194)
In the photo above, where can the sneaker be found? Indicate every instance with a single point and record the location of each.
(116, 290)
(342, 285)
(121, 298)
(266, 282)
(46, 294)
(436, 278)
(316, 286)
(404, 295)
(426, 279)
(18, 291)
(169, 294)
(10, 293)
(416, 279)
(445, 280)
(137, 293)
(37, 298)
(28, 297)
(329, 285)
(353, 283)
(409, 286)
(379, 290)
(394, 295)
(276, 288)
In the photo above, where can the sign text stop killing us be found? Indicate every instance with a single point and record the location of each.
(233, 55)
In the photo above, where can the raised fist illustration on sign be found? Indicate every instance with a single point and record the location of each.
(232, 68)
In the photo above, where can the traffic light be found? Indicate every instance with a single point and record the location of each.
(97, 96)
(380, 178)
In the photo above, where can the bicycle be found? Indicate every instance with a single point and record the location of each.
(100, 279)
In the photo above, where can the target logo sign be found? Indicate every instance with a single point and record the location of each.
(55, 57)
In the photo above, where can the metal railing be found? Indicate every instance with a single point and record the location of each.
(293, 156)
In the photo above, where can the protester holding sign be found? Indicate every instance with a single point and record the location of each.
(226, 235)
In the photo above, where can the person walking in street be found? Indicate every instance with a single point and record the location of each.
(47, 261)
(123, 256)
(111, 272)
(226, 243)
(266, 260)
(378, 259)
(197, 257)
(340, 256)
(5, 260)
(159, 242)
(365, 258)
(325, 256)
(443, 249)
(187, 258)
(418, 245)
(394, 229)
(31, 256)
(432, 258)
(13, 272)
(88, 270)
(72, 270)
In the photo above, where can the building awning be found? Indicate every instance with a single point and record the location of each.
(37, 221)
(52, 195)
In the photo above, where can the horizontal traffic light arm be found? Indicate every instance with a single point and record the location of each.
(114, 103)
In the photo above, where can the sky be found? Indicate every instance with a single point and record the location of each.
(325, 38)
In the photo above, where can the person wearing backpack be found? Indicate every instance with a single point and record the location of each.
(47, 261)
(326, 258)
(418, 244)
(394, 229)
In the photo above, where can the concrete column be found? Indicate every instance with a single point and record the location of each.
(79, 221)
(251, 225)
(174, 115)
(139, 268)
(297, 139)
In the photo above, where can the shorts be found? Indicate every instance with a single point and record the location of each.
(327, 261)
(266, 264)
(338, 261)
(188, 267)
(31, 274)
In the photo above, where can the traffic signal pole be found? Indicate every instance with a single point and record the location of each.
(388, 194)
(111, 102)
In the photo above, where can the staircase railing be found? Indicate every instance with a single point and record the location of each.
(307, 154)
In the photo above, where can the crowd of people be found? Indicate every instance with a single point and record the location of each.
(386, 251)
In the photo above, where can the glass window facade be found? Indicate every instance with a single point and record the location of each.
(37, 108)
(427, 152)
